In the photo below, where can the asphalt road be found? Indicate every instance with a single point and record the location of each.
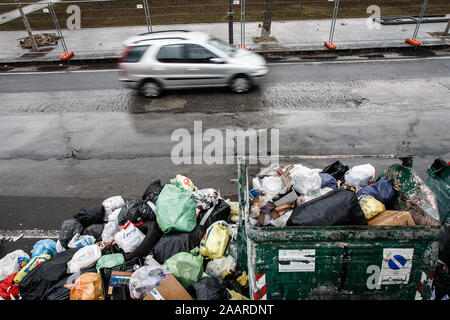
(73, 138)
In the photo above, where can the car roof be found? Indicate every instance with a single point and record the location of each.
(170, 36)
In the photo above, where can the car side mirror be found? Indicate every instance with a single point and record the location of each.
(217, 60)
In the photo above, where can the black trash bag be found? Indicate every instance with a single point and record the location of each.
(69, 228)
(441, 283)
(382, 190)
(232, 284)
(94, 230)
(220, 212)
(444, 247)
(112, 248)
(439, 164)
(152, 192)
(130, 212)
(336, 169)
(336, 208)
(328, 181)
(208, 288)
(152, 235)
(90, 215)
(174, 242)
(146, 212)
(35, 284)
(59, 292)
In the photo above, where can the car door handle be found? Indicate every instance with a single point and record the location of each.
(159, 68)
(193, 69)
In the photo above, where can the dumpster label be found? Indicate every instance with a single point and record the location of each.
(396, 266)
(296, 260)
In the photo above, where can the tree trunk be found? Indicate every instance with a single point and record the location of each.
(265, 32)
(27, 26)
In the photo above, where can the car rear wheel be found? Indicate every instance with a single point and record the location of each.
(150, 89)
(240, 84)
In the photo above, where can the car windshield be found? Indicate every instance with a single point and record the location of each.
(223, 46)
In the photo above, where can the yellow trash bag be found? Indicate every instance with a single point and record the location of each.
(370, 206)
(216, 241)
(87, 287)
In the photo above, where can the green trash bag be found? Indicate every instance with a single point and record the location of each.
(187, 267)
(109, 261)
(176, 208)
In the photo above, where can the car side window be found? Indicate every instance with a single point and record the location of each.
(135, 53)
(173, 53)
(198, 54)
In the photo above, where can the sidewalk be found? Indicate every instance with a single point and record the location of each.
(301, 36)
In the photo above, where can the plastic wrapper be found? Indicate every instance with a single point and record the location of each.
(360, 176)
(152, 235)
(216, 241)
(34, 262)
(59, 247)
(88, 287)
(145, 279)
(12, 263)
(187, 267)
(129, 238)
(206, 198)
(84, 258)
(79, 241)
(221, 267)
(370, 206)
(185, 182)
(176, 208)
(45, 246)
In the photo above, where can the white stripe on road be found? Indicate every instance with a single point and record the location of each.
(270, 64)
(7, 235)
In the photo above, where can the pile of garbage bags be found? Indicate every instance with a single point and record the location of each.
(177, 242)
(337, 195)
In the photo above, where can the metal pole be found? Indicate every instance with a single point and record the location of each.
(242, 23)
(58, 28)
(447, 28)
(230, 21)
(27, 26)
(333, 20)
(419, 21)
(147, 16)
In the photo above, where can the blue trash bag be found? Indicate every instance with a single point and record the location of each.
(328, 181)
(382, 190)
(46, 246)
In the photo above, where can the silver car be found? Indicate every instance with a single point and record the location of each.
(156, 61)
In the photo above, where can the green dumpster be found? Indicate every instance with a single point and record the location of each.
(348, 262)
(438, 179)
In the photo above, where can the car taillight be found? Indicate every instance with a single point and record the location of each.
(124, 53)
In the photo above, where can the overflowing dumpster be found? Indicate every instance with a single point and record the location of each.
(343, 262)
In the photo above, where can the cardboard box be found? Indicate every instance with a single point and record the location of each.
(392, 218)
(169, 289)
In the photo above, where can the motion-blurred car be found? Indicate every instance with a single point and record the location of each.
(153, 62)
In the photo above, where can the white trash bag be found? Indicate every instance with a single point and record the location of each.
(306, 181)
(145, 279)
(84, 258)
(129, 238)
(360, 176)
(110, 229)
(111, 204)
(12, 263)
(79, 241)
(59, 247)
(221, 267)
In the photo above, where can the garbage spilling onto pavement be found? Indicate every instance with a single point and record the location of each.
(177, 242)
(42, 39)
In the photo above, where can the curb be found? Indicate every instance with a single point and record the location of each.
(270, 55)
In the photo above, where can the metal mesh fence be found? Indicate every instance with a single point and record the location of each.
(97, 25)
